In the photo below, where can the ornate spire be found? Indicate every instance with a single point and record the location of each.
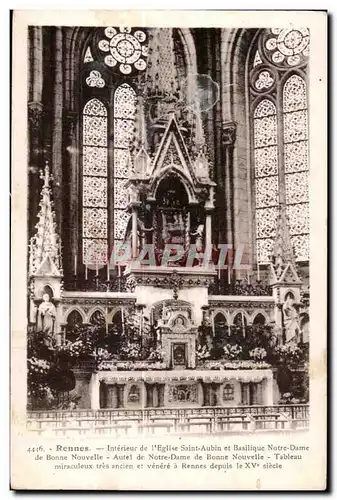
(283, 256)
(45, 247)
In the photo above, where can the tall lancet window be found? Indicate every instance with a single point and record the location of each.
(114, 62)
(278, 103)
(95, 214)
(124, 121)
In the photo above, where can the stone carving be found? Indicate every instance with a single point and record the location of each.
(290, 319)
(228, 134)
(183, 393)
(46, 316)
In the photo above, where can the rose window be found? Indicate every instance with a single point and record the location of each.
(288, 46)
(125, 48)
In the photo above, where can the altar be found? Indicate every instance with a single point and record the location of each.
(190, 388)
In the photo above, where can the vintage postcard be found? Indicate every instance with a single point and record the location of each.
(169, 194)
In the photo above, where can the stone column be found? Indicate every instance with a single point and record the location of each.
(71, 156)
(57, 128)
(120, 395)
(35, 120)
(112, 396)
(155, 396)
(149, 395)
(161, 394)
(206, 392)
(94, 387)
(217, 394)
(208, 237)
(134, 231)
(226, 226)
(267, 385)
(245, 397)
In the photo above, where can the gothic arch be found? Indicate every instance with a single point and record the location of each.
(71, 310)
(182, 177)
(256, 317)
(95, 310)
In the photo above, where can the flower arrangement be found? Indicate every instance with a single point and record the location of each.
(258, 354)
(202, 352)
(156, 354)
(288, 353)
(232, 351)
(235, 365)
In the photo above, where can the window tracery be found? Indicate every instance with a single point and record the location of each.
(124, 120)
(94, 183)
(278, 98)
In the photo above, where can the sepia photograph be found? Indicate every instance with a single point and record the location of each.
(169, 230)
(168, 242)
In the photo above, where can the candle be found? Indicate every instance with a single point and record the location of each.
(243, 324)
(75, 264)
(248, 276)
(96, 267)
(86, 272)
(258, 272)
(122, 314)
(229, 274)
(107, 271)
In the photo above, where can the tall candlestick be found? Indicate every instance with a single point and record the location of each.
(243, 324)
(258, 272)
(122, 314)
(75, 264)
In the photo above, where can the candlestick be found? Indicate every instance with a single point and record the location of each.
(122, 314)
(243, 324)
(86, 272)
(258, 272)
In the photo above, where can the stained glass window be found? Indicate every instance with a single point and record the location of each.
(295, 116)
(266, 176)
(280, 137)
(95, 160)
(124, 118)
(125, 49)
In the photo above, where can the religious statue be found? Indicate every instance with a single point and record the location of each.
(291, 319)
(46, 316)
(198, 237)
(179, 325)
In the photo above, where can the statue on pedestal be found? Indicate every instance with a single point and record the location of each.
(46, 316)
(290, 319)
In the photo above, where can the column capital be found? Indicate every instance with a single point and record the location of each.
(35, 114)
(228, 133)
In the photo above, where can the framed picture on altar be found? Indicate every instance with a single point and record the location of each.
(179, 354)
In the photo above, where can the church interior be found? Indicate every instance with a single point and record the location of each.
(168, 229)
